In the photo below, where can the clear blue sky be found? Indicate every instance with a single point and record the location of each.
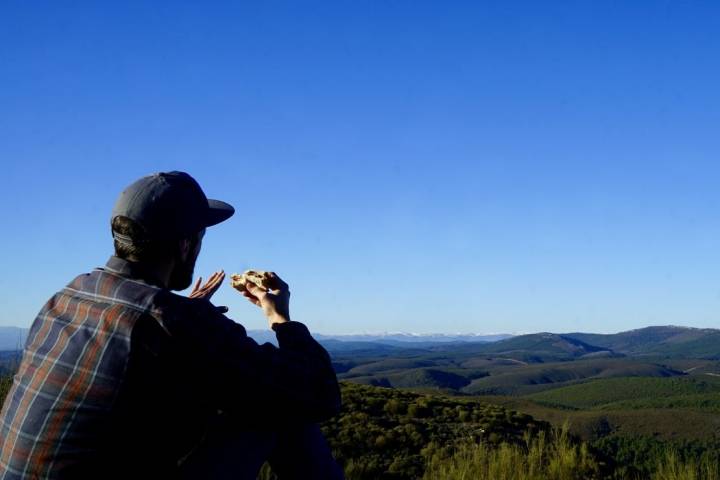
(423, 166)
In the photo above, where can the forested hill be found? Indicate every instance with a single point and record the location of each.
(385, 433)
(529, 364)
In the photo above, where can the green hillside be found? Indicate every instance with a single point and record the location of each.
(485, 374)
(543, 343)
(529, 379)
(424, 378)
(644, 391)
(386, 433)
(391, 364)
(707, 402)
(533, 348)
(392, 434)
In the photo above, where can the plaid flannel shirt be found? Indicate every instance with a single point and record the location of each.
(119, 378)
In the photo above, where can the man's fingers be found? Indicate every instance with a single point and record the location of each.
(217, 278)
(211, 286)
(251, 298)
(247, 293)
(255, 290)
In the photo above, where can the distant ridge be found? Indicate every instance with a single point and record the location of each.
(544, 346)
(670, 340)
(399, 339)
(12, 338)
(666, 340)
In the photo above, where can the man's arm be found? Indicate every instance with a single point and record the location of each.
(294, 382)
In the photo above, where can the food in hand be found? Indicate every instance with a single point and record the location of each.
(258, 278)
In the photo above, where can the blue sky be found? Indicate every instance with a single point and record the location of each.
(506, 166)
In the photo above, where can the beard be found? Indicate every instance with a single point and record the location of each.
(181, 277)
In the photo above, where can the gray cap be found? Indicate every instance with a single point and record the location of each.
(168, 205)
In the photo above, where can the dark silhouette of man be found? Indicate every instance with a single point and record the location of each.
(121, 378)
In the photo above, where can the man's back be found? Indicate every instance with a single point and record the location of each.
(64, 409)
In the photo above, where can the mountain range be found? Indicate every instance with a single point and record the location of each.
(671, 341)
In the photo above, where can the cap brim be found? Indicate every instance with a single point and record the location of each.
(218, 212)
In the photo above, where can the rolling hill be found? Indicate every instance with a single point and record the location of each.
(539, 377)
(542, 347)
(668, 340)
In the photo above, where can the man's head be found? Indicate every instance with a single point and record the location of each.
(160, 219)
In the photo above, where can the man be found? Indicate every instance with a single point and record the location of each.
(121, 378)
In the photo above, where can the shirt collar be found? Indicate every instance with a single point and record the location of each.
(134, 270)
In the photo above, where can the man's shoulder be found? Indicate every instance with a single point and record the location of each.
(171, 306)
(104, 286)
(175, 314)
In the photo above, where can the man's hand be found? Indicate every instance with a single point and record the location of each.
(210, 287)
(274, 302)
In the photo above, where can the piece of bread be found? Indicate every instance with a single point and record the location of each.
(258, 278)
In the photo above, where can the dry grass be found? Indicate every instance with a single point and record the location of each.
(541, 458)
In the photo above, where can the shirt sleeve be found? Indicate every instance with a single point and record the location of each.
(263, 384)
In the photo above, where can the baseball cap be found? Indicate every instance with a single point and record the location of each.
(168, 205)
